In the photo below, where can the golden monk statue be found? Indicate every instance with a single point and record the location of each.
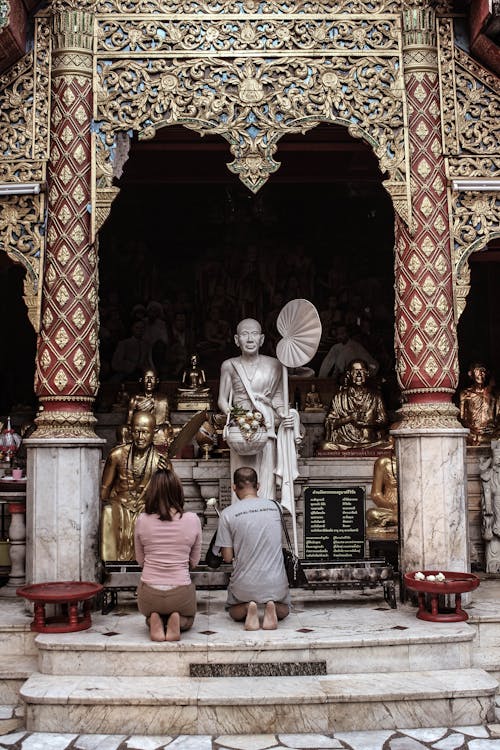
(356, 417)
(480, 407)
(194, 393)
(384, 493)
(125, 479)
(152, 403)
(313, 400)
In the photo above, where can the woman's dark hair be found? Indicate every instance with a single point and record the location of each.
(164, 495)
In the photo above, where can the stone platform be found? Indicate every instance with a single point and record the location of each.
(337, 663)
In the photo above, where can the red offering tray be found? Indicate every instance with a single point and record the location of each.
(68, 594)
(454, 583)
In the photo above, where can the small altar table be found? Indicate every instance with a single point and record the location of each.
(454, 583)
(67, 594)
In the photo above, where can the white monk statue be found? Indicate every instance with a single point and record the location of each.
(253, 382)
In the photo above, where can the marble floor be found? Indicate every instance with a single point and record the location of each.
(348, 615)
(439, 738)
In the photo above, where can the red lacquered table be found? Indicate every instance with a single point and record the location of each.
(65, 593)
(454, 583)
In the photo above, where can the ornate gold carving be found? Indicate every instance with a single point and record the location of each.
(73, 34)
(24, 97)
(470, 101)
(214, 7)
(254, 102)
(424, 416)
(169, 37)
(55, 424)
(476, 221)
(21, 237)
(419, 40)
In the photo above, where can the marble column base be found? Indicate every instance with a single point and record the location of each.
(62, 509)
(432, 499)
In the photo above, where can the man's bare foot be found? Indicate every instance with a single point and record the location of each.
(252, 618)
(173, 627)
(156, 629)
(270, 621)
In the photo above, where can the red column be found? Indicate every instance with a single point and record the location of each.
(66, 379)
(426, 342)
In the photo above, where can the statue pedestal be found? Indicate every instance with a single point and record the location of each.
(195, 402)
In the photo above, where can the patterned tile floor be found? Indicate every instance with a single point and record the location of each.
(440, 738)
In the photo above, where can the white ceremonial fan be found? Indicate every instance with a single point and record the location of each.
(300, 327)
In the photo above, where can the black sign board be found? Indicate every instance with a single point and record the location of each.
(334, 523)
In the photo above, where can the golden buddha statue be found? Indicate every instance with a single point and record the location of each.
(480, 407)
(125, 479)
(194, 394)
(383, 520)
(356, 417)
(313, 400)
(149, 402)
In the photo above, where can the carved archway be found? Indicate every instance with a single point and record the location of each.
(252, 82)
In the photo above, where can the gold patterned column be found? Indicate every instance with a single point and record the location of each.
(67, 357)
(426, 341)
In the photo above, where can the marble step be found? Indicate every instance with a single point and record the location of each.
(11, 718)
(228, 705)
(111, 653)
(14, 670)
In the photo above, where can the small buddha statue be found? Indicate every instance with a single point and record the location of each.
(194, 394)
(356, 417)
(383, 519)
(150, 402)
(125, 479)
(313, 400)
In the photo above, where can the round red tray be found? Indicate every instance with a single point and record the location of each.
(59, 591)
(67, 594)
(454, 583)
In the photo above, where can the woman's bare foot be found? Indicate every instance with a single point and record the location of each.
(156, 629)
(173, 627)
(252, 618)
(270, 621)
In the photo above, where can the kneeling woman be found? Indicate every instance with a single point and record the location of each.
(167, 545)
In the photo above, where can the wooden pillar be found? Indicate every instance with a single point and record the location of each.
(64, 452)
(430, 441)
(67, 356)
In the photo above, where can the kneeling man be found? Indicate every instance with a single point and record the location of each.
(249, 536)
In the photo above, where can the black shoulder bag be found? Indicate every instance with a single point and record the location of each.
(294, 570)
(211, 559)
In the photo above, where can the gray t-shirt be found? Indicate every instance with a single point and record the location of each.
(252, 527)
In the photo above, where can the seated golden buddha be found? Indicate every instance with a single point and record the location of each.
(194, 394)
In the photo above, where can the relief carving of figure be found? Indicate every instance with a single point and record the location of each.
(489, 471)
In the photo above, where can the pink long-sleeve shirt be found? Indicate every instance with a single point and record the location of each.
(166, 549)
